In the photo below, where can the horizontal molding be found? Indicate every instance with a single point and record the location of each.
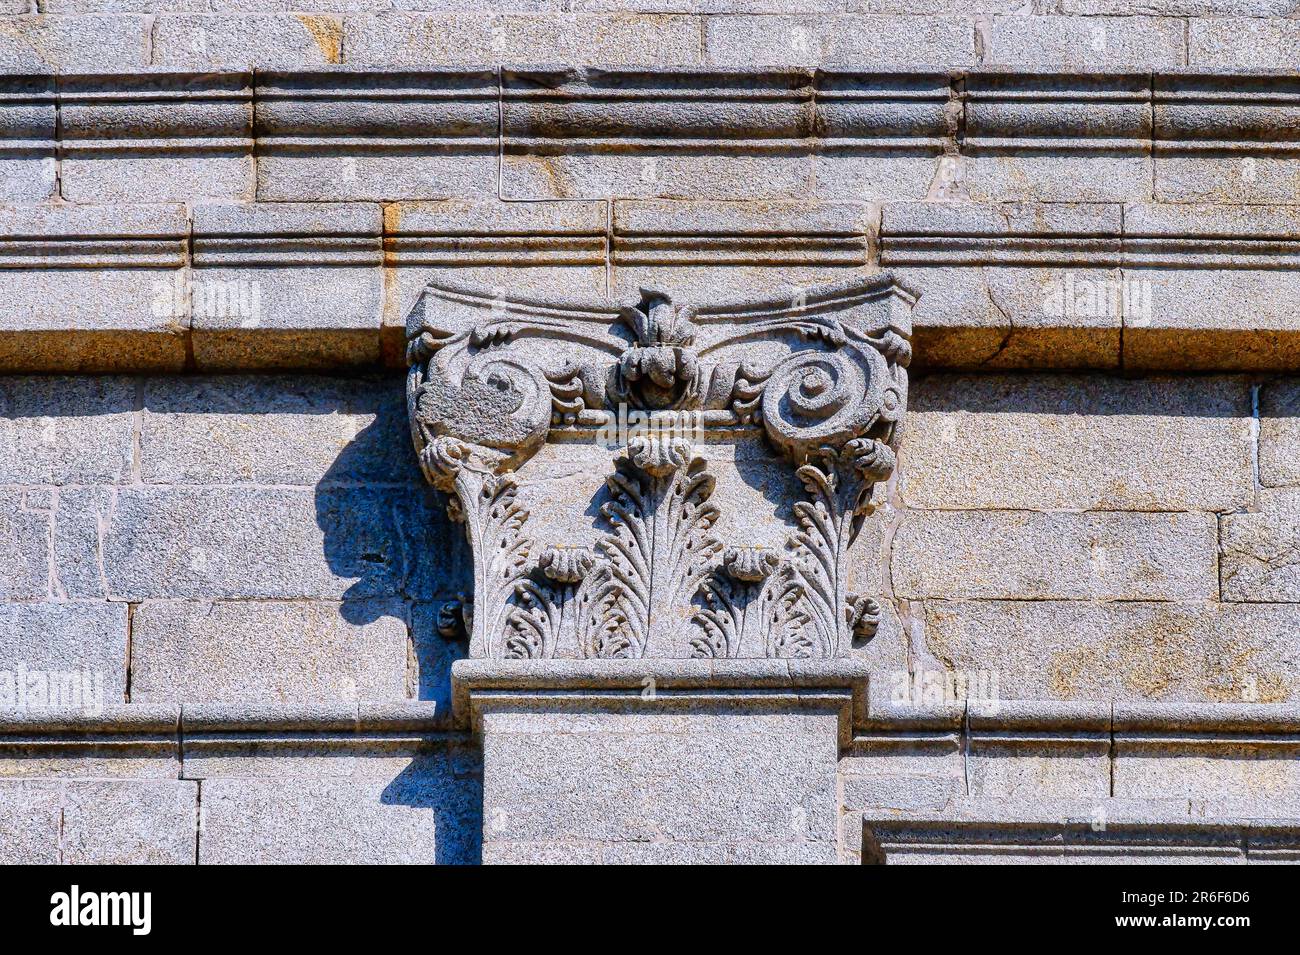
(1067, 830)
(250, 718)
(546, 110)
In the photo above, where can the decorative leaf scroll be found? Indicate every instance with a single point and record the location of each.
(821, 374)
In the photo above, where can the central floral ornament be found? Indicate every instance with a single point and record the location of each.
(820, 376)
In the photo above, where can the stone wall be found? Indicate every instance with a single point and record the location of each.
(218, 216)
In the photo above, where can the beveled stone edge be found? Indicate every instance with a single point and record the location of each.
(1069, 828)
(733, 682)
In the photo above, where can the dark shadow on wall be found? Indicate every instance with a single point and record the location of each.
(386, 528)
(447, 781)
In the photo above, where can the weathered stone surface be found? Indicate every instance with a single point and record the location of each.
(1097, 443)
(532, 248)
(27, 113)
(40, 44)
(1279, 433)
(1091, 42)
(428, 135)
(1264, 774)
(130, 823)
(622, 40)
(704, 783)
(273, 430)
(703, 250)
(105, 823)
(25, 544)
(833, 40)
(429, 812)
(156, 136)
(1025, 555)
(283, 651)
(52, 639)
(1212, 319)
(1233, 43)
(29, 821)
(1261, 550)
(241, 42)
(214, 542)
(285, 284)
(1075, 650)
(92, 288)
(108, 739)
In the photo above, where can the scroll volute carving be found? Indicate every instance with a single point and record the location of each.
(820, 375)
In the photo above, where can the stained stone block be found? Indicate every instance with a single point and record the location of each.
(860, 41)
(1129, 651)
(1119, 177)
(566, 134)
(1015, 317)
(240, 42)
(1033, 750)
(1100, 443)
(1261, 550)
(41, 44)
(1267, 774)
(1091, 42)
(1213, 319)
(283, 651)
(428, 812)
(52, 640)
(269, 278)
(1279, 433)
(25, 544)
(1025, 555)
(705, 783)
(92, 288)
(214, 542)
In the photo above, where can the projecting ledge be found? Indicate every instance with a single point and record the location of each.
(679, 685)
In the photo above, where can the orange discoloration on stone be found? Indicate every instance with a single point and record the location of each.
(328, 34)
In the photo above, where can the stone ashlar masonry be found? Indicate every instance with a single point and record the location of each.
(217, 218)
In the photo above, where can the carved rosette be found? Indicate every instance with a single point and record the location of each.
(823, 375)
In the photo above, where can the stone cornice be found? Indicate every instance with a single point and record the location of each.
(1185, 728)
(555, 157)
(550, 109)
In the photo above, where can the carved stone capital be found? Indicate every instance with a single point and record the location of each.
(818, 378)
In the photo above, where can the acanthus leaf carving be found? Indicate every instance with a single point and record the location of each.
(822, 377)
